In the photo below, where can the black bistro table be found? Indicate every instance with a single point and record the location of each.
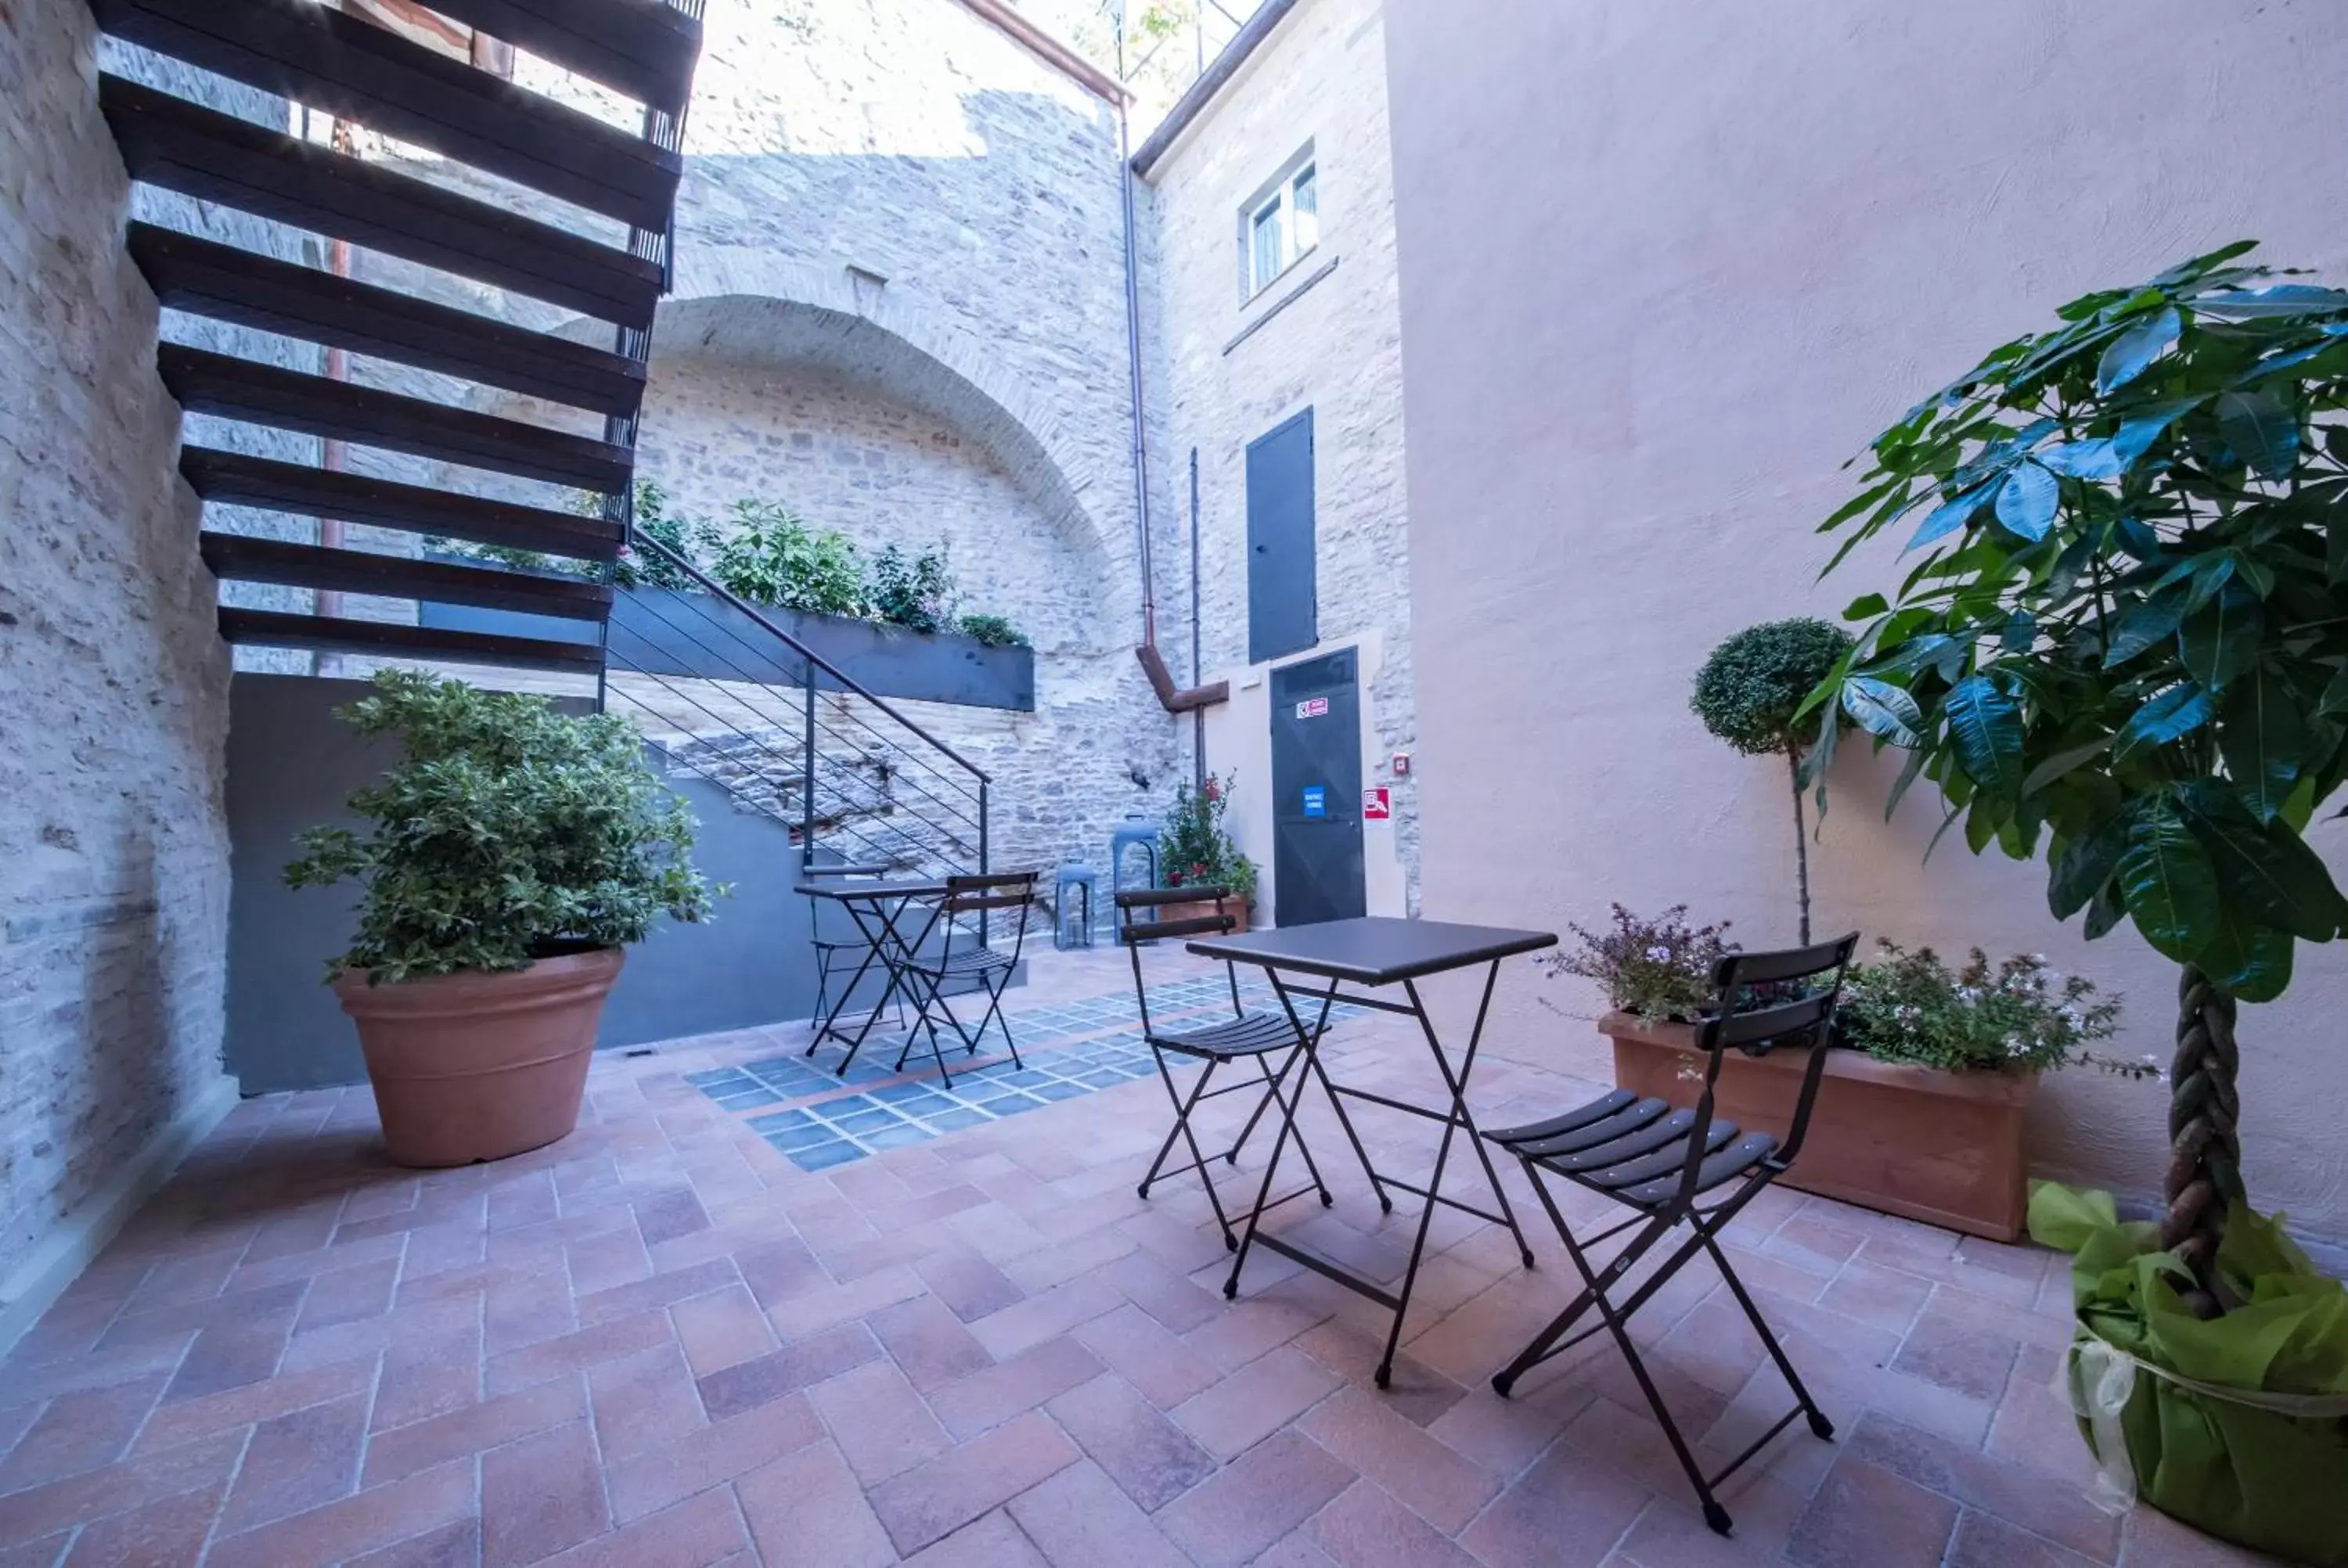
(879, 909)
(1377, 952)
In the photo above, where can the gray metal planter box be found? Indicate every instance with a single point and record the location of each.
(664, 632)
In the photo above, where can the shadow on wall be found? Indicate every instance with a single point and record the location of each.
(292, 764)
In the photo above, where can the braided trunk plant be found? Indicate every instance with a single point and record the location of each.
(2126, 636)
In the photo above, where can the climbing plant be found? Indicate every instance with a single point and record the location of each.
(2124, 644)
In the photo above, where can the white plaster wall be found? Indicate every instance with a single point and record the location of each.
(1664, 268)
(1337, 349)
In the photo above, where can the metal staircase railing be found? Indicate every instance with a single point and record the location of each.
(787, 733)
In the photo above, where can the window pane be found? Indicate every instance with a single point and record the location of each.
(1266, 250)
(1306, 200)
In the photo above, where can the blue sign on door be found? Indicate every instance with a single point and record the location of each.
(1316, 801)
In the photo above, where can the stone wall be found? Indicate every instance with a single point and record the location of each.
(115, 895)
(1231, 369)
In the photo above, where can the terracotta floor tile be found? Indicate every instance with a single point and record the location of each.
(577, 1351)
(643, 1401)
(935, 1499)
(459, 1434)
(1985, 1541)
(79, 1431)
(1141, 1351)
(1081, 1518)
(1249, 1405)
(733, 1389)
(991, 1396)
(42, 1510)
(375, 1518)
(991, 1541)
(166, 1533)
(456, 1544)
(881, 1426)
(1566, 1511)
(711, 1456)
(2019, 1494)
(721, 1328)
(658, 1290)
(970, 1288)
(297, 1462)
(928, 1342)
(1367, 1528)
(541, 1494)
(706, 1528)
(806, 1507)
(1863, 1517)
(1358, 1427)
(1245, 1507)
(1152, 1458)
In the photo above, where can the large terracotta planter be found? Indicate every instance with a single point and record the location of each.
(480, 1066)
(1204, 909)
(1942, 1147)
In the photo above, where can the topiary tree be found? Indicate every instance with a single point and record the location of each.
(1748, 692)
(2126, 637)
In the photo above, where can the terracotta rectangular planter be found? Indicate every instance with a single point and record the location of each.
(1942, 1147)
(1237, 908)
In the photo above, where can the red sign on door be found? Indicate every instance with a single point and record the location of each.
(1313, 707)
(1377, 804)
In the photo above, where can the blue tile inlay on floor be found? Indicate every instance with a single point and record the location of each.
(850, 1126)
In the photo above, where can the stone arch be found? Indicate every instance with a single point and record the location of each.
(893, 346)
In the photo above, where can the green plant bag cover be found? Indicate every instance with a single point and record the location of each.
(2237, 1426)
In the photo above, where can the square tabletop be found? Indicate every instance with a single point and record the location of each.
(903, 887)
(1374, 949)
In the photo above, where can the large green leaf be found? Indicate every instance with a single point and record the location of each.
(2250, 960)
(2084, 865)
(2260, 429)
(2138, 430)
(2220, 641)
(2146, 624)
(2025, 502)
(1948, 517)
(2261, 736)
(2168, 885)
(2264, 869)
(1986, 724)
(1882, 709)
(2105, 911)
(2335, 692)
(2175, 712)
(2065, 761)
(2137, 348)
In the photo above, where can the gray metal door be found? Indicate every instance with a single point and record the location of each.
(1283, 608)
(1317, 784)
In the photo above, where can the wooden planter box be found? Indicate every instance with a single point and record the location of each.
(1942, 1147)
(1235, 907)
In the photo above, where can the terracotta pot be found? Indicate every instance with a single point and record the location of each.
(1942, 1147)
(1203, 908)
(479, 1066)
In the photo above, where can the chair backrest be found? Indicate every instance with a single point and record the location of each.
(983, 893)
(1785, 998)
(1133, 932)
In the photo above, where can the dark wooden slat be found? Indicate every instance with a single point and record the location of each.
(184, 147)
(230, 284)
(640, 47)
(347, 67)
(234, 479)
(291, 564)
(245, 389)
(335, 634)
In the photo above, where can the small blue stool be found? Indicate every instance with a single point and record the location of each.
(1085, 881)
(1139, 833)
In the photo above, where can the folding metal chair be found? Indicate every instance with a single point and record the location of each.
(1245, 1036)
(977, 962)
(1673, 1167)
(841, 943)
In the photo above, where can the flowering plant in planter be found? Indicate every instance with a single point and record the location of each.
(1660, 969)
(2017, 1016)
(1195, 849)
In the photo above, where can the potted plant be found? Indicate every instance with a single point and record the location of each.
(1195, 851)
(513, 851)
(2124, 643)
(1923, 1119)
(1747, 693)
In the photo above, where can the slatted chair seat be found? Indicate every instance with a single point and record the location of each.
(1258, 1036)
(1685, 1167)
(1250, 1034)
(989, 970)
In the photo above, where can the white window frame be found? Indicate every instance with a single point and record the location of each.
(1295, 227)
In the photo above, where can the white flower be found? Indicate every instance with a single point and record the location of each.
(1659, 953)
(2038, 958)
